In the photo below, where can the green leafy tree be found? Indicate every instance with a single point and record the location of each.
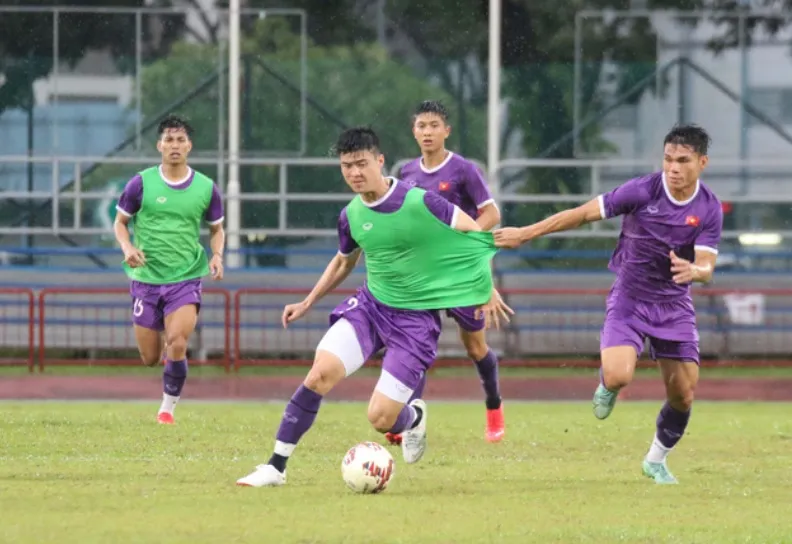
(348, 84)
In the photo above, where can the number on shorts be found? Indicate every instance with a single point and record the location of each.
(137, 307)
(351, 303)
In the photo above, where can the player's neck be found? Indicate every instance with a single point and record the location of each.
(175, 172)
(682, 194)
(433, 159)
(378, 193)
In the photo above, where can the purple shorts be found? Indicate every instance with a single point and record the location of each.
(409, 336)
(151, 303)
(466, 318)
(670, 326)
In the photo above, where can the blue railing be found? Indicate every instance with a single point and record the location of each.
(513, 261)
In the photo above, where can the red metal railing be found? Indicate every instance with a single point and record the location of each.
(79, 324)
(17, 327)
(552, 327)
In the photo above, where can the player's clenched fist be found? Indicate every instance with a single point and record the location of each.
(293, 312)
(134, 257)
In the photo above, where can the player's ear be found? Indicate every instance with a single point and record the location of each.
(448, 130)
(159, 145)
(703, 161)
(189, 145)
(381, 160)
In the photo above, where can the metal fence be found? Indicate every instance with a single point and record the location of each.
(289, 196)
(557, 327)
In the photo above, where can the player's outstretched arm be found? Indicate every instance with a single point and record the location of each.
(568, 219)
(334, 275)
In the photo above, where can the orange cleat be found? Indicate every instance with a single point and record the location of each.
(395, 439)
(164, 418)
(496, 427)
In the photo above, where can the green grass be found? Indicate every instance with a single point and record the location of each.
(105, 472)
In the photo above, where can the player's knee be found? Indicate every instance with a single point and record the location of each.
(475, 345)
(681, 398)
(617, 377)
(477, 350)
(380, 419)
(151, 359)
(323, 376)
(177, 346)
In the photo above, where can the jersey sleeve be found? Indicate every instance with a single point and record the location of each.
(441, 208)
(214, 213)
(131, 197)
(346, 244)
(476, 187)
(624, 199)
(709, 238)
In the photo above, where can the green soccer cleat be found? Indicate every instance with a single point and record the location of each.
(604, 399)
(658, 472)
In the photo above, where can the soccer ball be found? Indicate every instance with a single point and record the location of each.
(367, 468)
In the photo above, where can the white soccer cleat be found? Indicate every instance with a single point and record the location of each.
(263, 476)
(414, 440)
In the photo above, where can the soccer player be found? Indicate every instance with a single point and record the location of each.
(460, 182)
(417, 261)
(669, 239)
(166, 204)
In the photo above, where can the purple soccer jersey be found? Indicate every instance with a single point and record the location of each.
(654, 224)
(132, 197)
(456, 179)
(391, 202)
(644, 301)
(459, 181)
(151, 303)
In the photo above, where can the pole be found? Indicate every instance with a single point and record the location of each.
(232, 195)
(493, 98)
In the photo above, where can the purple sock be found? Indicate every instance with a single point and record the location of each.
(174, 376)
(405, 421)
(299, 415)
(671, 425)
(418, 392)
(488, 372)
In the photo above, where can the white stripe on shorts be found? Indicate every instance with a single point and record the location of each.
(392, 388)
(341, 340)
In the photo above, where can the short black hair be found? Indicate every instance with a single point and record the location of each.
(692, 136)
(356, 139)
(432, 106)
(175, 122)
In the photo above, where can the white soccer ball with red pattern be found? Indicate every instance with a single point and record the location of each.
(368, 468)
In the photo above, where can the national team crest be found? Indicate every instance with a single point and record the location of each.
(692, 221)
(445, 185)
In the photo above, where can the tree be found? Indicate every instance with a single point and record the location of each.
(350, 84)
(26, 42)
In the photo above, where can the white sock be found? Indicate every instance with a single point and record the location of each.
(657, 452)
(168, 403)
(283, 449)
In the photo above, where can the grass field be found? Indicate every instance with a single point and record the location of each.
(105, 473)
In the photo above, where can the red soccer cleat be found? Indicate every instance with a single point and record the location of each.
(496, 427)
(164, 418)
(395, 439)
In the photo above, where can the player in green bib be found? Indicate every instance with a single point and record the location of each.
(166, 205)
(423, 254)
